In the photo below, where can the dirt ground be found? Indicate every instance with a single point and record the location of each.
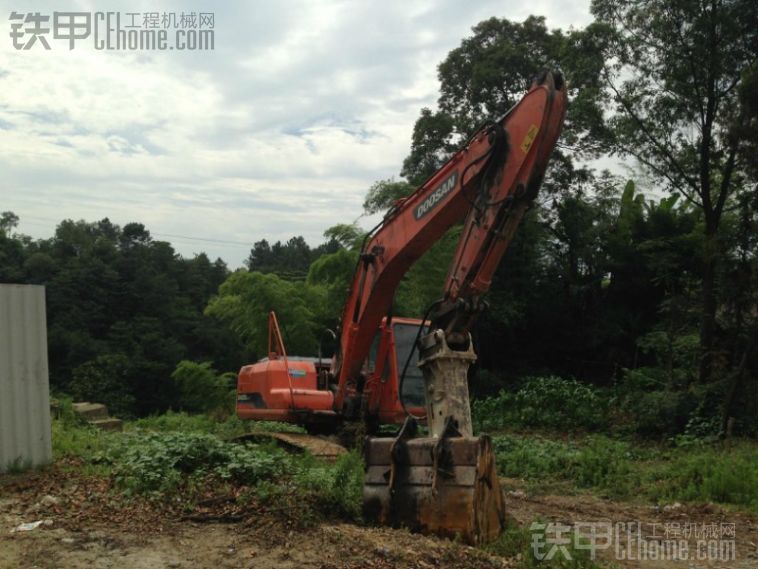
(672, 523)
(86, 528)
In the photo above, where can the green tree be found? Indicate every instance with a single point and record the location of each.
(245, 300)
(11, 249)
(8, 222)
(674, 73)
(347, 235)
(490, 71)
(199, 387)
(384, 193)
(334, 273)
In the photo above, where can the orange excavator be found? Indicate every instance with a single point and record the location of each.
(390, 370)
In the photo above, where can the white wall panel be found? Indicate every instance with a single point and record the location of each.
(24, 387)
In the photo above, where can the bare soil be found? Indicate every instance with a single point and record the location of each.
(91, 528)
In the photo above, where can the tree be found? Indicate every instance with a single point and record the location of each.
(675, 74)
(490, 71)
(105, 380)
(199, 387)
(11, 249)
(8, 222)
(347, 235)
(334, 273)
(289, 260)
(384, 193)
(432, 144)
(246, 298)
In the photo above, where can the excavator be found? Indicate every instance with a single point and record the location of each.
(434, 476)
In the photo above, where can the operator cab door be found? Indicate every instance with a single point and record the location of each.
(386, 361)
(412, 395)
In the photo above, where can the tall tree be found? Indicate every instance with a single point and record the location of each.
(490, 71)
(674, 72)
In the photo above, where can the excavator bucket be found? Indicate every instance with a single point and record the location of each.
(446, 487)
(445, 483)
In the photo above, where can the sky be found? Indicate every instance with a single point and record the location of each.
(278, 131)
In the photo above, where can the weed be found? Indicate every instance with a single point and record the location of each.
(155, 463)
(619, 469)
(517, 543)
(713, 474)
(73, 439)
(229, 428)
(336, 489)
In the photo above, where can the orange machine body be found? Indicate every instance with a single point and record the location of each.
(271, 388)
(295, 389)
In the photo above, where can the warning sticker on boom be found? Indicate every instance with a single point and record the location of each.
(531, 134)
(433, 199)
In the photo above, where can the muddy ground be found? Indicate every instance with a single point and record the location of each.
(87, 527)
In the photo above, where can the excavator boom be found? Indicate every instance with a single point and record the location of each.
(490, 183)
(446, 482)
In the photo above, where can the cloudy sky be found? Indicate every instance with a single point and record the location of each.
(278, 131)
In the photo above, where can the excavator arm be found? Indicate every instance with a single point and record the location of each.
(489, 183)
(446, 482)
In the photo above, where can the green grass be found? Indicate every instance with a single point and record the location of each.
(721, 473)
(225, 429)
(75, 440)
(184, 455)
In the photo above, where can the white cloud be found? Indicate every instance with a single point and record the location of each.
(278, 131)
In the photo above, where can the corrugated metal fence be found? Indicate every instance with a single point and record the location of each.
(24, 388)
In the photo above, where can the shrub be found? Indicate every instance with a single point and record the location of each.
(105, 380)
(200, 388)
(549, 401)
(658, 414)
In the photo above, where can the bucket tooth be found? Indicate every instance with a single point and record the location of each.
(446, 486)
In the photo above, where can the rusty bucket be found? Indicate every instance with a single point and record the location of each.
(446, 486)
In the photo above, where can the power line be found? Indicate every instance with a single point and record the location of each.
(204, 239)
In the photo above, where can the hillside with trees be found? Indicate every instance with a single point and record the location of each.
(642, 286)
